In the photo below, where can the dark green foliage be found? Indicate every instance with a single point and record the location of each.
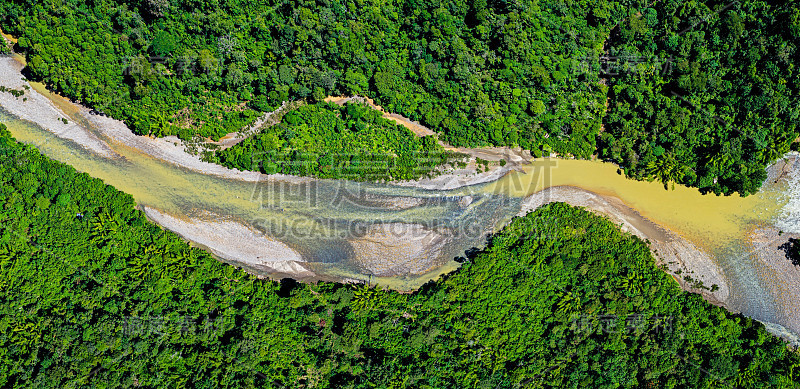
(163, 44)
(490, 73)
(14, 92)
(94, 295)
(329, 141)
(792, 251)
(703, 94)
(711, 93)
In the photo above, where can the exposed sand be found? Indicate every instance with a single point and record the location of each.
(395, 248)
(415, 127)
(265, 120)
(678, 254)
(469, 175)
(767, 244)
(777, 275)
(229, 240)
(458, 177)
(235, 242)
(673, 251)
(41, 110)
(168, 149)
(238, 243)
(37, 108)
(777, 272)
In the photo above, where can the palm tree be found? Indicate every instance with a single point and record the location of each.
(366, 298)
(6, 254)
(159, 125)
(666, 169)
(569, 303)
(719, 161)
(776, 149)
(631, 283)
(103, 227)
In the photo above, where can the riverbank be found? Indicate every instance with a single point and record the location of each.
(472, 174)
(381, 251)
(112, 140)
(232, 240)
(690, 266)
(100, 129)
(768, 247)
(43, 110)
(90, 130)
(693, 268)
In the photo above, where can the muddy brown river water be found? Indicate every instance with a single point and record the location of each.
(402, 237)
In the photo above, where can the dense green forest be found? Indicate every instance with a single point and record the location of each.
(348, 142)
(704, 94)
(92, 294)
(490, 72)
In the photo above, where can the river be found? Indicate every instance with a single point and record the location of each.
(402, 237)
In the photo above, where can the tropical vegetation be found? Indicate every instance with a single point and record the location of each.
(92, 294)
(704, 94)
(709, 86)
(352, 141)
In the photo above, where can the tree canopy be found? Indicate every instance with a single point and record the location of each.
(704, 95)
(488, 73)
(711, 88)
(92, 294)
(348, 142)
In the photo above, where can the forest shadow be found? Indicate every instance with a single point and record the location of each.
(792, 250)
